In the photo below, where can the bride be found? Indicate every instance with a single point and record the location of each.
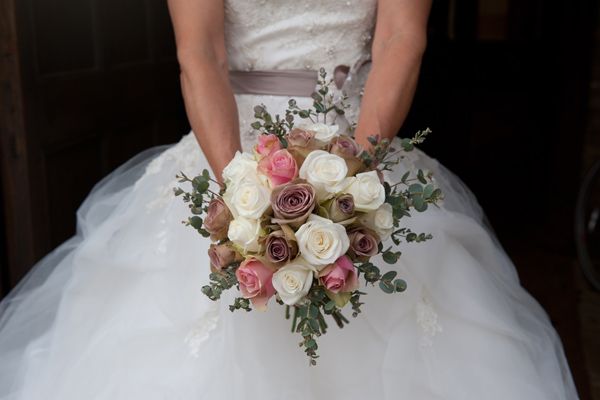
(117, 312)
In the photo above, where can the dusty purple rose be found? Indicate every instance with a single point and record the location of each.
(340, 208)
(301, 137)
(344, 145)
(221, 255)
(363, 243)
(293, 202)
(350, 151)
(217, 219)
(280, 246)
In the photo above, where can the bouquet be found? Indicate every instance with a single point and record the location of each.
(298, 220)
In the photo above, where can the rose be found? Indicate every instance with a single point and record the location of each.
(340, 280)
(340, 208)
(217, 219)
(381, 221)
(293, 202)
(301, 137)
(267, 145)
(221, 255)
(280, 246)
(242, 167)
(244, 233)
(255, 280)
(301, 143)
(323, 133)
(345, 145)
(326, 172)
(367, 190)
(363, 243)
(293, 281)
(280, 167)
(350, 151)
(250, 199)
(321, 241)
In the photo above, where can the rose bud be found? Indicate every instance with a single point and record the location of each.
(350, 151)
(340, 280)
(301, 137)
(267, 145)
(255, 278)
(221, 255)
(293, 202)
(217, 219)
(301, 143)
(280, 167)
(340, 208)
(363, 243)
(280, 246)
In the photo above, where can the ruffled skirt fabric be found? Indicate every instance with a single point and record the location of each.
(117, 313)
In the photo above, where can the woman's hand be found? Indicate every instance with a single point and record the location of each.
(398, 46)
(207, 93)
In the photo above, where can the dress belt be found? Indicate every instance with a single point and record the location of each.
(284, 82)
(281, 82)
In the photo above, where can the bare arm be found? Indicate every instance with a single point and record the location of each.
(398, 46)
(209, 100)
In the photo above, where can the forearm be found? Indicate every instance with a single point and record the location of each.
(390, 87)
(211, 108)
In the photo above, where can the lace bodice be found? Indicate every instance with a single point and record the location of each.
(291, 34)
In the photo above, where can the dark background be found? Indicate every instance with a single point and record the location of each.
(507, 86)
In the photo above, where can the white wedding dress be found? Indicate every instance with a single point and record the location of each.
(117, 312)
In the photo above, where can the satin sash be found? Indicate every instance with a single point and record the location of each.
(284, 82)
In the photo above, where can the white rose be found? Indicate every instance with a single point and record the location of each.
(293, 281)
(250, 199)
(381, 221)
(242, 167)
(321, 241)
(326, 172)
(323, 133)
(244, 233)
(367, 190)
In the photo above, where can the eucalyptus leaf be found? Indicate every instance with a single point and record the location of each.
(407, 145)
(400, 285)
(415, 188)
(389, 257)
(329, 306)
(428, 191)
(388, 276)
(387, 287)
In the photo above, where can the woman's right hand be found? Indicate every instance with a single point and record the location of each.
(209, 100)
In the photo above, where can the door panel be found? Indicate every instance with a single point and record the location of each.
(93, 83)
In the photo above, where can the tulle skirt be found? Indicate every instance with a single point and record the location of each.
(117, 312)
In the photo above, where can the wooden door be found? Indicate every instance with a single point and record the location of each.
(86, 84)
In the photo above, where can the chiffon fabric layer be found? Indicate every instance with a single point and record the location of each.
(117, 312)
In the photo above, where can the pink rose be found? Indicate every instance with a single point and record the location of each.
(339, 276)
(280, 167)
(267, 145)
(255, 279)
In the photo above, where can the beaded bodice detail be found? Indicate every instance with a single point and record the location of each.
(291, 34)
